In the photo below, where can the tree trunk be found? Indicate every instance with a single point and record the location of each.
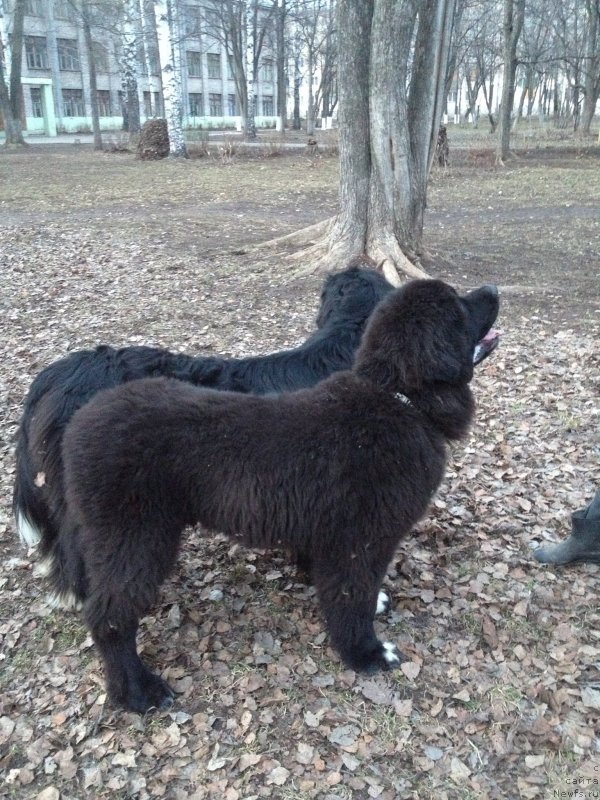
(89, 46)
(169, 50)
(129, 68)
(310, 111)
(388, 128)
(591, 81)
(281, 65)
(250, 23)
(514, 14)
(10, 85)
(297, 123)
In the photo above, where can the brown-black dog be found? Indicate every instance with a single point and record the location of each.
(336, 474)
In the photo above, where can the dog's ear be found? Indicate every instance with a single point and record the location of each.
(437, 354)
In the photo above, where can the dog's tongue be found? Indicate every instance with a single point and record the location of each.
(486, 345)
(492, 335)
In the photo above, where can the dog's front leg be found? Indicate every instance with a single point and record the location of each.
(129, 682)
(349, 595)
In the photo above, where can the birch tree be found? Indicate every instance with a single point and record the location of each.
(170, 63)
(392, 58)
(11, 54)
(251, 67)
(129, 66)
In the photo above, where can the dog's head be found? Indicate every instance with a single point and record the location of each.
(351, 295)
(425, 333)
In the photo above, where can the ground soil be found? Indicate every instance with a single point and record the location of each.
(500, 694)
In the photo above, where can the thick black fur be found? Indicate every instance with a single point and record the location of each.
(347, 299)
(336, 474)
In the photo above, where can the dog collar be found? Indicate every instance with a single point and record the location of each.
(403, 399)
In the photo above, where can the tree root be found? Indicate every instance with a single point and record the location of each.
(305, 236)
(323, 248)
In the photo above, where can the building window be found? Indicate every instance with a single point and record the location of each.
(194, 64)
(37, 109)
(34, 8)
(195, 103)
(73, 102)
(214, 65)
(230, 75)
(192, 19)
(266, 71)
(147, 104)
(64, 10)
(215, 103)
(231, 105)
(101, 61)
(103, 98)
(213, 22)
(68, 55)
(36, 52)
(267, 105)
(154, 60)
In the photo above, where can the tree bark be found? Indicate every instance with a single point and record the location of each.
(11, 97)
(129, 68)
(169, 52)
(281, 64)
(591, 83)
(388, 127)
(514, 14)
(250, 23)
(89, 46)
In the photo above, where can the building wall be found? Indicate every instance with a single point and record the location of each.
(50, 24)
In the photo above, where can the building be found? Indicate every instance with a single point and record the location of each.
(55, 69)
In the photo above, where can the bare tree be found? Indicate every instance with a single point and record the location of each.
(591, 81)
(129, 65)
(535, 51)
(86, 15)
(392, 59)
(514, 13)
(170, 62)
(11, 97)
(242, 26)
(310, 19)
(281, 61)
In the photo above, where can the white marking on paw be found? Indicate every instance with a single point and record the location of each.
(27, 531)
(390, 653)
(383, 603)
(67, 601)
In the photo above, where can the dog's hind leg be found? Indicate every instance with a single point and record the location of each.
(349, 595)
(123, 585)
(129, 682)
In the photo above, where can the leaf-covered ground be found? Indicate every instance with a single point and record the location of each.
(500, 697)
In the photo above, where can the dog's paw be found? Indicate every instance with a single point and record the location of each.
(391, 655)
(150, 693)
(383, 603)
(381, 656)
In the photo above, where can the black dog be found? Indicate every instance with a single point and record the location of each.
(347, 299)
(336, 474)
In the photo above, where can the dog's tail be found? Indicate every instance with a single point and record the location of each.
(38, 500)
(32, 517)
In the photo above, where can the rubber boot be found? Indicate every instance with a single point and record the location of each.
(584, 542)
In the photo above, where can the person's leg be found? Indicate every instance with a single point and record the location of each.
(584, 542)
